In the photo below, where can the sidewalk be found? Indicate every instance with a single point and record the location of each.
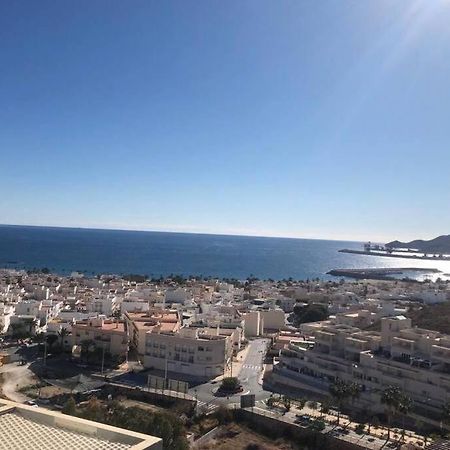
(379, 432)
(237, 363)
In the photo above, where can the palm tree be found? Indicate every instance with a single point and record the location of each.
(445, 416)
(354, 391)
(389, 397)
(62, 333)
(117, 314)
(51, 339)
(366, 416)
(87, 346)
(396, 401)
(39, 339)
(324, 408)
(340, 391)
(404, 408)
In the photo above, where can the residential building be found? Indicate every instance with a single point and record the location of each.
(201, 353)
(108, 334)
(140, 324)
(414, 359)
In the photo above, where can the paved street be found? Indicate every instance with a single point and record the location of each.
(249, 375)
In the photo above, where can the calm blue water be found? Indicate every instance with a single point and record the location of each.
(64, 250)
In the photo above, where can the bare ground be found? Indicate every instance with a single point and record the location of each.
(237, 437)
(13, 377)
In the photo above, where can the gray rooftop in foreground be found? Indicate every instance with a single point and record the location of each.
(20, 433)
(23, 427)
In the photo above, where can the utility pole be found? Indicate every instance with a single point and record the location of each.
(103, 356)
(45, 351)
(165, 370)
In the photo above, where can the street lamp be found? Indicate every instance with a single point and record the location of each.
(103, 356)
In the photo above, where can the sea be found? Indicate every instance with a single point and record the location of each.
(95, 251)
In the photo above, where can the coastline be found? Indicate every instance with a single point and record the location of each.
(392, 255)
(386, 274)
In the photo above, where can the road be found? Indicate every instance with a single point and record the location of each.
(249, 376)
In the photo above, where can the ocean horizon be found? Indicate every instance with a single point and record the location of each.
(158, 253)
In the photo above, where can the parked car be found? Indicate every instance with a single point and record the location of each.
(32, 403)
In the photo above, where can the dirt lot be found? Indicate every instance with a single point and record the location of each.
(237, 437)
(13, 377)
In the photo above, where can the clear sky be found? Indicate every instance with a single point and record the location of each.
(309, 118)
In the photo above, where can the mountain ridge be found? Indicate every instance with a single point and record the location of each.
(440, 244)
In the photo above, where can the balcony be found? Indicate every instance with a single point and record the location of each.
(441, 354)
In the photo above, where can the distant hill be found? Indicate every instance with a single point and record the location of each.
(432, 317)
(440, 244)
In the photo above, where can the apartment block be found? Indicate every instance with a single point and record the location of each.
(201, 353)
(108, 334)
(414, 359)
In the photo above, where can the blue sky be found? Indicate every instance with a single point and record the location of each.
(326, 119)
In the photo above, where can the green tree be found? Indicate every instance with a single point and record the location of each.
(51, 339)
(70, 407)
(39, 339)
(87, 347)
(62, 333)
(339, 393)
(286, 403)
(354, 391)
(366, 417)
(117, 314)
(395, 401)
(324, 407)
(310, 313)
(230, 384)
(445, 414)
(404, 409)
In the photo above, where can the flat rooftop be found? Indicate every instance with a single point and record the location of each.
(23, 427)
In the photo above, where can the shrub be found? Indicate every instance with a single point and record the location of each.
(230, 384)
(223, 415)
(70, 407)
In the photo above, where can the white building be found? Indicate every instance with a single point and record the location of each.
(414, 359)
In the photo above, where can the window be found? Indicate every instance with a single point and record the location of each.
(201, 349)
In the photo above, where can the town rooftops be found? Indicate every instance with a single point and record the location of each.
(102, 324)
(160, 316)
(156, 326)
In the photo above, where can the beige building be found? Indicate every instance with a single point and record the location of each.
(258, 322)
(141, 323)
(414, 359)
(108, 334)
(24, 427)
(201, 353)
